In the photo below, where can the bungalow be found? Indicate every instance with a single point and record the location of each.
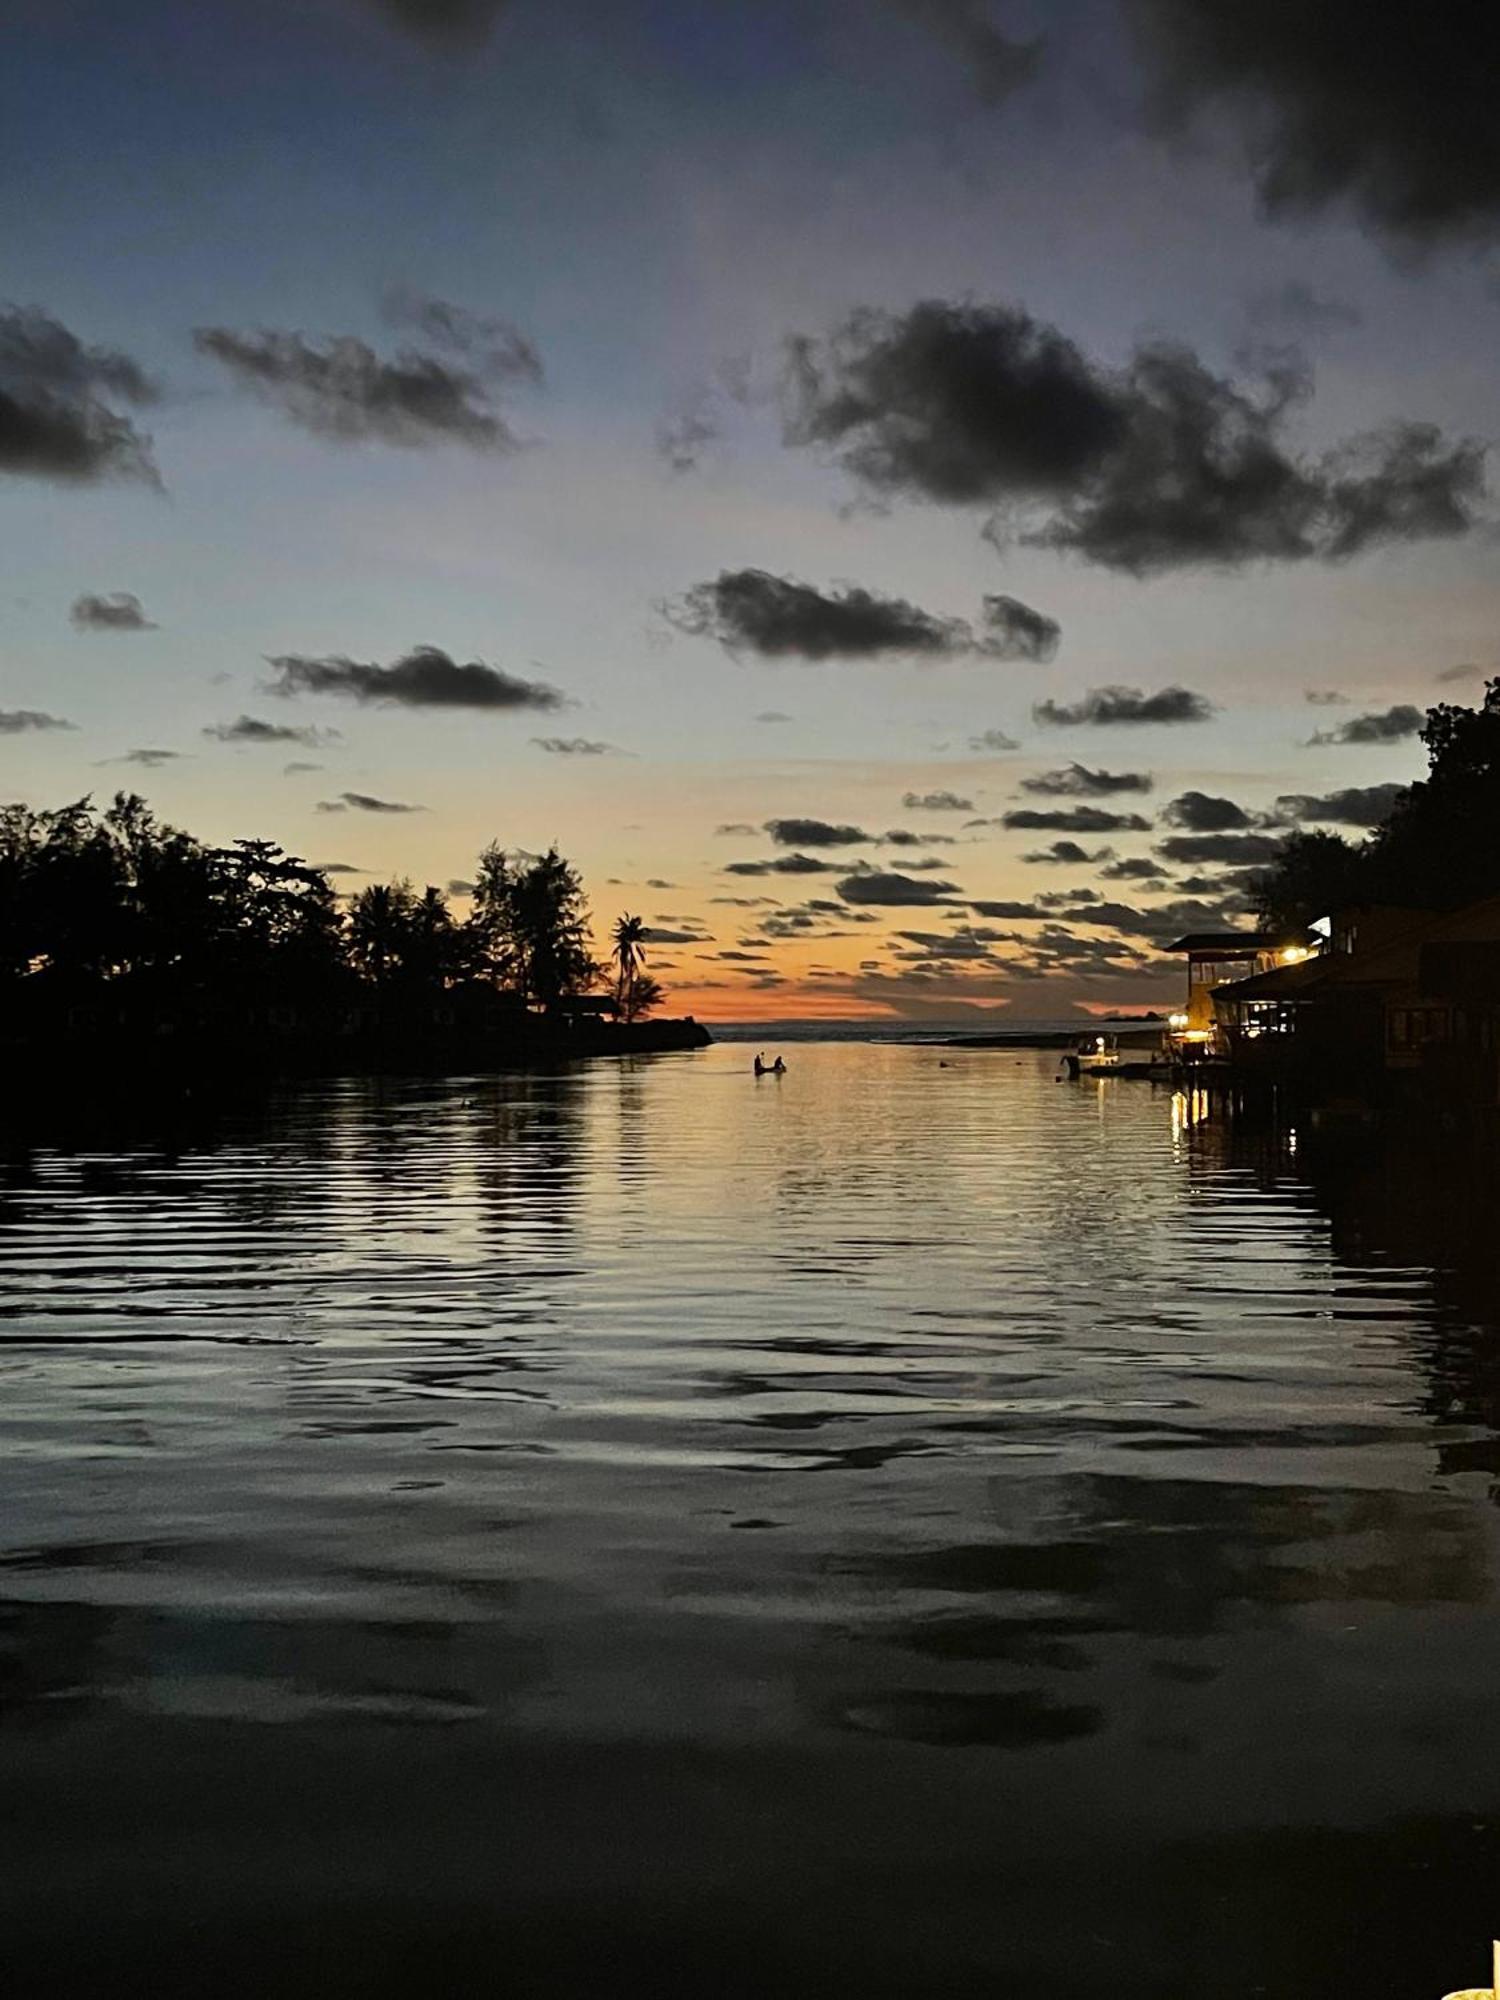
(1216, 959)
(1402, 1000)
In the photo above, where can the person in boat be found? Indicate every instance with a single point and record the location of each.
(778, 1068)
(760, 1065)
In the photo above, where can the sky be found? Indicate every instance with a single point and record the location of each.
(914, 497)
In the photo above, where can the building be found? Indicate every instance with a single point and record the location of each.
(1216, 959)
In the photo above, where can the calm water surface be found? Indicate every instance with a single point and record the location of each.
(906, 1527)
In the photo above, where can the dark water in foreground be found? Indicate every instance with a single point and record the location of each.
(903, 1529)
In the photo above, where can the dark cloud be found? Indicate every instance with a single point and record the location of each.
(340, 868)
(292, 770)
(1066, 853)
(1158, 465)
(1399, 125)
(1358, 805)
(936, 802)
(1016, 632)
(1137, 868)
(1075, 819)
(1325, 698)
(120, 611)
(784, 864)
(1199, 812)
(994, 740)
(425, 677)
(772, 715)
(893, 891)
(1077, 781)
(682, 439)
(249, 729)
(1108, 706)
(737, 827)
(150, 760)
(654, 936)
(574, 746)
(814, 833)
(451, 22)
(1298, 306)
(341, 389)
(363, 802)
(492, 346)
(1004, 910)
(459, 887)
(900, 836)
(57, 398)
(998, 64)
(778, 617)
(1390, 725)
(1450, 674)
(1220, 847)
(14, 721)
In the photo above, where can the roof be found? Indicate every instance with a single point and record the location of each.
(1225, 944)
(1283, 982)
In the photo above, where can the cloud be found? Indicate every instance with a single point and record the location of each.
(574, 746)
(1159, 465)
(814, 833)
(14, 721)
(1450, 674)
(783, 864)
(901, 836)
(772, 715)
(1391, 725)
(57, 404)
(1357, 805)
(1399, 126)
(459, 887)
(893, 891)
(1107, 707)
(994, 740)
(1325, 698)
(1220, 847)
(150, 760)
(120, 611)
(1077, 781)
(1075, 819)
(1297, 305)
(1013, 911)
(425, 677)
(1067, 853)
(778, 617)
(1016, 632)
(496, 349)
(339, 868)
(998, 64)
(936, 802)
(1137, 868)
(1198, 812)
(440, 22)
(737, 827)
(654, 936)
(682, 439)
(249, 729)
(292, 770)
(342, 390)
(363, 802)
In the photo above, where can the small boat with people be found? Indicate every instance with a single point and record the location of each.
(763, 1068)
(1131, 1052)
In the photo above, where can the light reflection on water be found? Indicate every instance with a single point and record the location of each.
(763, 1535)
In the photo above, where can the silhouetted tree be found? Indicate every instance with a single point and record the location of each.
(629, 956)
(1313, 874)
(548, 931)
(645, 997)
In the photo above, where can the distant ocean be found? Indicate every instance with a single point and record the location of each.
(907, 1031)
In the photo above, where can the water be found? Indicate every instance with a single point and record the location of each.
(906, 1527)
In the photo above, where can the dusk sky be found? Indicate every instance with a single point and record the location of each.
(912, 496)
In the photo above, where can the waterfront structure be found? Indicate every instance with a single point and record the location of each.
(1216, 959)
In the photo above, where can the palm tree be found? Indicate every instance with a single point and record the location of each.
(629, 935)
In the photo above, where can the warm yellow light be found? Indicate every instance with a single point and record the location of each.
(1294, 954)
(1177, 1020)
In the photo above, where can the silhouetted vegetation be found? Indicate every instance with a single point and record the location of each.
(1438, 848)
(111, 920)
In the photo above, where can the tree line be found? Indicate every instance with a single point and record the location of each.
(1438, 847)
(113, 897)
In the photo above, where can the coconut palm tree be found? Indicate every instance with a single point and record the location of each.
(629, 936)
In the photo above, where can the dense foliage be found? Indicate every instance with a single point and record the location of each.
(114, 901)
(1438, 848)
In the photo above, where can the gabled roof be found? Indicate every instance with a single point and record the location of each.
(1225, 944)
